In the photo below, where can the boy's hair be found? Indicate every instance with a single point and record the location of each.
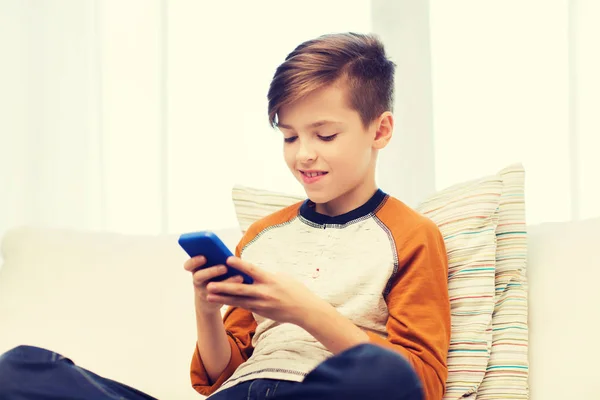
(357, 59)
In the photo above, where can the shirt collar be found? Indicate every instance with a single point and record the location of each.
(308, 211)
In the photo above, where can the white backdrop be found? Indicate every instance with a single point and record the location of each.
(138, 116)
(518, 80)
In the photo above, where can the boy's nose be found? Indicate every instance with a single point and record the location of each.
(305, 153)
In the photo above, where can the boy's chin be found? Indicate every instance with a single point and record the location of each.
(318, 197)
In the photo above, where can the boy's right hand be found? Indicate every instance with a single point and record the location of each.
(201, 277)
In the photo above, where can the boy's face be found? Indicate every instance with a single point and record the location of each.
(329, 151)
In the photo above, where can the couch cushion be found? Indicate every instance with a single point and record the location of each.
(120, 305)
(563, 268)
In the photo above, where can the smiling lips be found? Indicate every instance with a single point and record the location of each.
(312, 176)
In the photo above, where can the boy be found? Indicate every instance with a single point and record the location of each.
(340, 276)
(350, 297)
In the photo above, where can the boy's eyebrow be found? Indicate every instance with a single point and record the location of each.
(312, 125)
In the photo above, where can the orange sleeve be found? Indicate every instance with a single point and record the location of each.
(240, 326)
(418, 325)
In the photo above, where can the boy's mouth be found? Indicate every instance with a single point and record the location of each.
(311, 177)
(312, 174)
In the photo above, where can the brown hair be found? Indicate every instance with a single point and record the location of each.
(358, 59)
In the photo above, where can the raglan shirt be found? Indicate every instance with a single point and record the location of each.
(383, 266)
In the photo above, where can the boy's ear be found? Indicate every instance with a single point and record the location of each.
(383, 130)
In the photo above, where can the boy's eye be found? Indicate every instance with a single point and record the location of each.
(328, 138)
(290, 139)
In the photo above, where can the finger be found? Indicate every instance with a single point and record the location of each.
(232, 289)
(235, 279)
(205, 274)
(193, 263)
(233, 301)
(247, 268)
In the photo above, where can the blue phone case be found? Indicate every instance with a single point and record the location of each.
(209, 245)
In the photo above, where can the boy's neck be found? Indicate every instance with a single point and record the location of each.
(348, 201)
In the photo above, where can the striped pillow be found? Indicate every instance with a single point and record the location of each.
(508, 368)
(467, 215)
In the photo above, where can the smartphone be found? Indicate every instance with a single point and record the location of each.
(209, 245)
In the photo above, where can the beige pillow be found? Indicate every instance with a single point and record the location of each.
(253, 204)
(467, 216)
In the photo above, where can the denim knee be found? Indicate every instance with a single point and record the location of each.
(384, 372)
(25, 354)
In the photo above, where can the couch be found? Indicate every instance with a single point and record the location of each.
(122, 306)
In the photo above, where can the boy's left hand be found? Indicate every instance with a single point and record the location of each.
(274, 296)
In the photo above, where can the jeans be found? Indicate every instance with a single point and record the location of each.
(362, 372)
(33, 373)
(258, 389)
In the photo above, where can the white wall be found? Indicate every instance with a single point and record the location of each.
(406, 168)
(48, 110)
(518, 81)
(501, 95)
(130, 49)
(585, 105)
(14, 142)
(474, 96)
(139, 116)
